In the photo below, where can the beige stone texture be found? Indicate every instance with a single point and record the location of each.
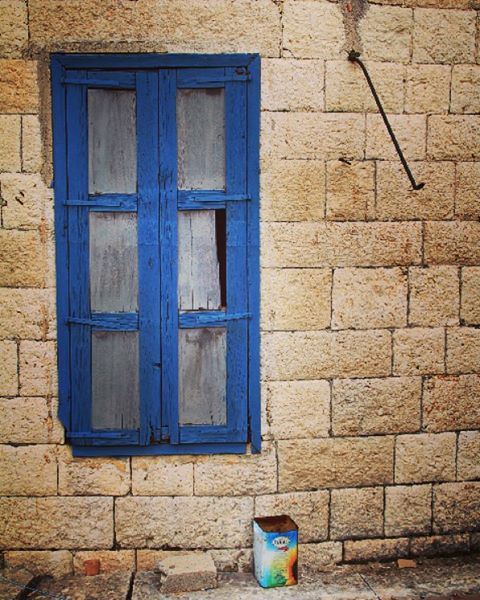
(8, 369)
(13, 27)
(291, 84)
(467, 190)
(181, 26)
(451, 403)
(453, 137)
(386, 33)
(296, 299)
(185, 522)
(341, 244)
(31, 144)
(465, 89)
(439, 3)
(92, 476)
(356, 513)
(341, 462)
(446, 36)
(463, 350)
(312, 29)
(410, 130)
(162, 476)
(309, 510)
(439, 545)
(454, 242)
(18, 86)
(226, 559)
(323, 355)
(56, 523)
(408, 510)
(396, 198)
(148, 559)
(425, 457)
(301, 135)
(456, 507)
(28, 470)
(427, 89)
(27, 314)
(292, 190)
(350, 190)
(374, 550)
(468, 463)
(297, 409)
(22, 259)
(470, 308)
(434, 296)
(41, 562)
(24, 198)
(418, 351)
(364, 298)
(10, 146)
(347, 90)
(376, 406)
(110, 560)
(38, 368)
(319, 557)
(29, 421)
(234, 475)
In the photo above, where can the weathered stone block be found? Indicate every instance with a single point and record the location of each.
(439, 545)
(468, 463)
(444, 36)
(187, 573)
(410, 131)
(350, 190)
(453, 242)
(463, 350)
(41, 562)
(8, 369)
(110, 560)
(29, 421)
(10, 146)
(323, 355)
(38, 368)
(376, 406)
(13, 27)
(298, 409)
(408, 510)
(456, 507)
(28, 470)
(226, 560)
(317, 557)
(290, 84)
(185, 522)
(427, 89)
(24, 199)
(451, 403)
(31, 144)
(439, 3)
(465, 84)
(373, 550)
(27, 313)
(56, 523)
(309, 510)
(356, 513)
(418, 351)
(434, 296)
(162, 476)
(18, 86)
(364, 298)
(296, 299)
(22, 259)
(453, 137)
(340, 462)
(470, 308)
(386, 33)
(467, 194)
(425, 457)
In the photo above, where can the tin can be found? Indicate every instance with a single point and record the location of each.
(275, 551)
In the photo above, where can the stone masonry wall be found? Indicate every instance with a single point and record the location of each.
(370, 292)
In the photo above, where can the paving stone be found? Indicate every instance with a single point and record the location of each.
(187, 573)
(111, 586)
(12, 582)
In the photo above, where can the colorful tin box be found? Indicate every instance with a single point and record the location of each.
(275, 551)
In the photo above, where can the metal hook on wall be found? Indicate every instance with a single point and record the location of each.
(355, 57)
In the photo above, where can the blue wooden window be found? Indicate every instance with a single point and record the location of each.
(148, 364)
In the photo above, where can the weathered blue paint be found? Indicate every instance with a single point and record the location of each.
(161, 450)
(207, 318)
(152, 61)
(107, 202)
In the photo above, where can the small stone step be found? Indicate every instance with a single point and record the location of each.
(187, 573)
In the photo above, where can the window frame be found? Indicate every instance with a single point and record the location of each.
(111, 69)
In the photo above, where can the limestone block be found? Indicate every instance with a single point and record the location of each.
(18, 86)
(31, 144)
(456, 507)
(439, 545)
(323, 355)
(397, 200)
(350, 190)
(38, 368)
(233, 560)
(425, 457)
(10, 146)
(376, 406)
(41, 562)
(453, 137)
(427, 89)
(410, 130)
(296, 299)
(467, 194)
(28, 470)
(309, 510)
(373, 550)
(452, 403)
(298, 409)
(183, 522)
(225, 475)
(408, 510)
(291, 84)
(338, 462)
(56, 522)
(463, 350)
(456, 242)
(22, 259)
(438, 3)
(386, 33)
(444, 36)
(27, 313)
(162, 476)
(341, 244)
(29, 421)
(468, 453)
(8, 369)
(148, 559)
(364, 298)
(187, 573)
(434, 296)
(356, 513)
(13, 27)
(318, 557)
(418, 351)
(24, 198)
(470, 308)
(312, 29)
(110, 560)
(465, 85)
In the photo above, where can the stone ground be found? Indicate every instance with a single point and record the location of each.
(432, 579)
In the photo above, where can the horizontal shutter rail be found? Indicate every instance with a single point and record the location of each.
(103, 438)
(123, 202)
(206, 199)
(119, 80)
(217, 81)
(192, 320)
(112, 435)
(114, 321)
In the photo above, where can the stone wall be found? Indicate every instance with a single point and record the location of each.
(371, 292)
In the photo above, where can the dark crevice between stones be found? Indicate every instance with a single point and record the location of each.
(130, 587)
